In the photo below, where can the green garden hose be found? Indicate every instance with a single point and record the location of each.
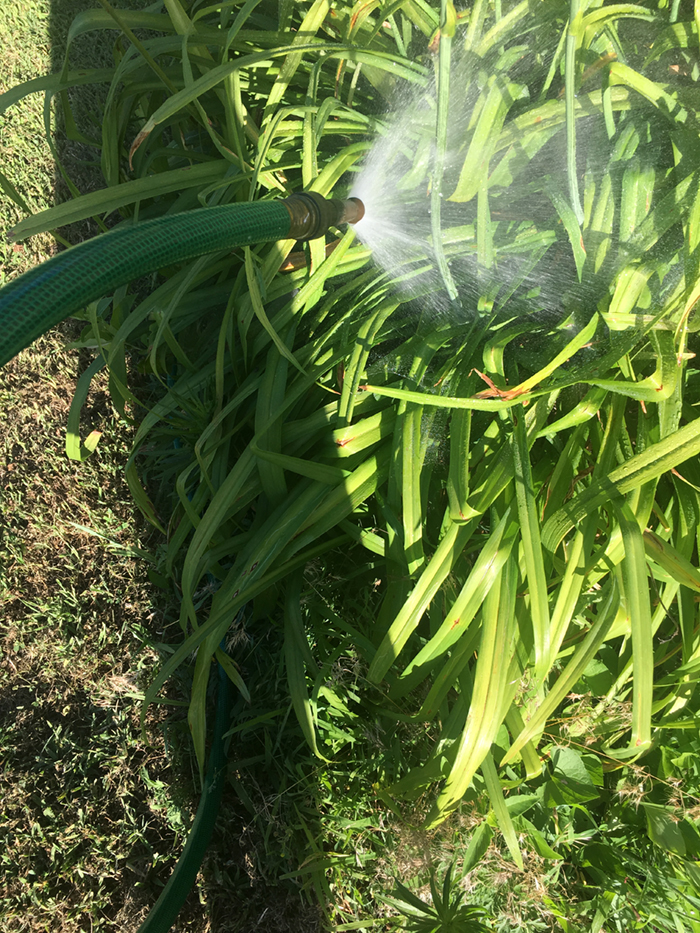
(173, 896)
(35, 301)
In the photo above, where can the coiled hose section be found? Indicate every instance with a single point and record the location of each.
(50, 292)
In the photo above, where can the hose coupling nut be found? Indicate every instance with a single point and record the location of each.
(311, 214)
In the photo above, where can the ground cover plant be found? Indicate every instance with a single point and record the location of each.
(469, 525)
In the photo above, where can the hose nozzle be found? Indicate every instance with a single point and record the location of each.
(311, 214)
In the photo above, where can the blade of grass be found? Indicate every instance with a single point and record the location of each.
(297, 657)
(500, 810)
(573, 30)
(75, 448)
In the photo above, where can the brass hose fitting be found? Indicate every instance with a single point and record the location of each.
(311, 214)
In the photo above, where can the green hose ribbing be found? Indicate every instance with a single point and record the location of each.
(35, 301)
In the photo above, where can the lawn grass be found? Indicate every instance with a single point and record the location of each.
(25, 154)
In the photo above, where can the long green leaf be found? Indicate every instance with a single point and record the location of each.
(584, 654)
(490, 695)
(296, 656)
(112, 199)
(532, 546)
(482, 577)
(657, 459)
(437, 569)
(637, 604)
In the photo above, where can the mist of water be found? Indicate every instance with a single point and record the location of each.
(395, 183)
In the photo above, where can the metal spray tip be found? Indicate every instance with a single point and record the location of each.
(311, 214)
